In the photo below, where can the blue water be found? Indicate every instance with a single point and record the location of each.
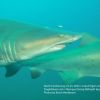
(74, 15)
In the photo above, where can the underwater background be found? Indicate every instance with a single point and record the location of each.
(73, 15)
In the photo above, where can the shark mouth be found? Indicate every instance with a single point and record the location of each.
(62, 44)
(56, 48)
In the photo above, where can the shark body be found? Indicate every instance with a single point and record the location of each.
(19, 41)
(71, 65)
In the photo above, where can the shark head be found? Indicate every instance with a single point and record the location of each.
(44, 44)
(24, 41)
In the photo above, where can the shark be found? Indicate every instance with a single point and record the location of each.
(20, 41)
(71, 65)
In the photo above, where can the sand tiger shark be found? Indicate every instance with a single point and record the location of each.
(20, 41)
(71, 65)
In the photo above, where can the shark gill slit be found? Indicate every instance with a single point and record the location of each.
(2, 56)
(2, 53)
(14, 51)
(5, 53)
(8, 57)
(2, 49)
(10, 51)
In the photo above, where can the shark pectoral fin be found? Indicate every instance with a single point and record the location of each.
(11, 70)
(69, 76)
(35, 73)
